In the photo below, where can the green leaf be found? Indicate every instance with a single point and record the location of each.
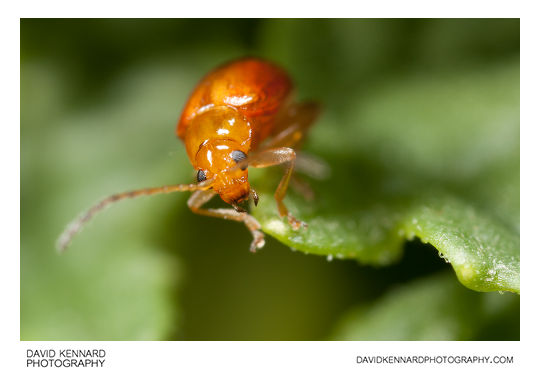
(430, 157)
(433, 308)
(114, 282)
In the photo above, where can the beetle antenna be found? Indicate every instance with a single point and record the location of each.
(77, 224)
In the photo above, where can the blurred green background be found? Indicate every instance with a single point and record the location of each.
(99, 104)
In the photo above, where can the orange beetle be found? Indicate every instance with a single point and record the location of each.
(239, 115)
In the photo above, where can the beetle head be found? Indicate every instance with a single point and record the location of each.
(217, 159)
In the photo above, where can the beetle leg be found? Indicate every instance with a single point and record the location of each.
(293, 125)
(278, 156)
(199, 198)
(302, 187)
(312, 166)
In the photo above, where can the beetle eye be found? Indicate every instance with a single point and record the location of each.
(201, 176)
(238, 156)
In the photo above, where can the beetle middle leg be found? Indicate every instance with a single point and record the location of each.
(199, 198)
(278, 156)
(291, 130)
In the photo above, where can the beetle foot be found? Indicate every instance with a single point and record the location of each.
(296, 223)
(258, 241)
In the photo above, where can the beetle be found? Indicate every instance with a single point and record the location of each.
(240, 115)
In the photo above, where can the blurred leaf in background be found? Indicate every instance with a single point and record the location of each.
(420, 122)
(434, 308)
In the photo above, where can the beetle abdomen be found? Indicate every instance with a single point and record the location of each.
(254, 87)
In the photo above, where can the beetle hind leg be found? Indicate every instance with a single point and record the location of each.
(294, 125)
(302, 187)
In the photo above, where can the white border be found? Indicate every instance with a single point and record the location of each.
(264, 357)
(283, 357)
(270, 9)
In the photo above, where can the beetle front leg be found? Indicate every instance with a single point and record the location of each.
(278, 156)
(199, 198)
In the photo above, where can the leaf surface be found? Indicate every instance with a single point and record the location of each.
(432, 157)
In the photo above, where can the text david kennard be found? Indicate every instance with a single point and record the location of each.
(65, 357)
